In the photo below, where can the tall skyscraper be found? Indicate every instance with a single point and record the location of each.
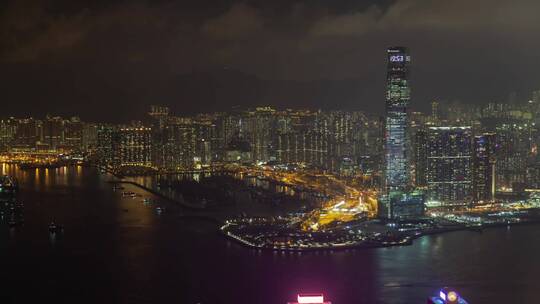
(27, 133)
(420, 155)
(449, 160)
(179, 148)
(132, 147)
(397, 175)
(53, 132)
(484, 167)
(435, 111)
(73, 134)
(105, 135)
(8, 129)
(514, 143)
(160, 119)
(397, 201)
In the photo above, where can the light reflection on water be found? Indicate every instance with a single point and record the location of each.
(135, 256)
(162, 184)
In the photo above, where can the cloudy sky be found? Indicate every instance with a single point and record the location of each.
(108, 60)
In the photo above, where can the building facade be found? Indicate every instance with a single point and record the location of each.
(484, 167)
(397, 200)
(396, 171)
(449, 165)
(132, 146)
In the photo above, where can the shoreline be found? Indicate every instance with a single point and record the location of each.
(408, 240)
(161, 195)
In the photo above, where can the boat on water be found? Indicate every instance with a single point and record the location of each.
(129, 193)
(315, 298)
(118, 187)
(55, 228)
(447, 296)
(8, 185)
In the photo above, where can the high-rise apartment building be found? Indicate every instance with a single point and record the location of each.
(449, 165)
(132, 147)
(484, 167)
(73, 134)
(420, 157)
(8, 130)
(104, 144)
(53, 132)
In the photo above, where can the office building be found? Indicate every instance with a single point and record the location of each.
(396, 137)
(396, 201)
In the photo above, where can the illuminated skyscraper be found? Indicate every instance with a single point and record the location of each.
(514, 143)
(484, 167)
(435, 111)
(8, 129)
(73, 134)
(397, 200)
(420, 155)
(179, 146)
(160, 118)
(104, 144)
(53, 132)
(397, 177)
(27, 133)
(449, 165)
(132, 147)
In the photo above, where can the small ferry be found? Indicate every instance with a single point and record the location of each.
(129, 193)
(8, 185)
(117, 187)
(315, 298)
(447, 296)
(54, 228)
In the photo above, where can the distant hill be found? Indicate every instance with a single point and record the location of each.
(222, 88)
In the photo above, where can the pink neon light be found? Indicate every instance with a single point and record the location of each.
(310, 299)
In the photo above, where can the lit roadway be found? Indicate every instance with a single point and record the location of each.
(483, 209)
(35, 157)
(345, 203)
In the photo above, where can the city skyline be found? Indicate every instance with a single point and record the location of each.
(86, 55)
(232, 151)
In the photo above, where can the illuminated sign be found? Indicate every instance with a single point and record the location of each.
(397, 58)
(310, 298)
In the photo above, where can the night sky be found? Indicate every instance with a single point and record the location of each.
(108, 60)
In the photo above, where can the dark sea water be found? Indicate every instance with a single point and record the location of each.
(118, 250)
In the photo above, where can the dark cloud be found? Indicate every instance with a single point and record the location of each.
(240, 21)
(73, 56)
